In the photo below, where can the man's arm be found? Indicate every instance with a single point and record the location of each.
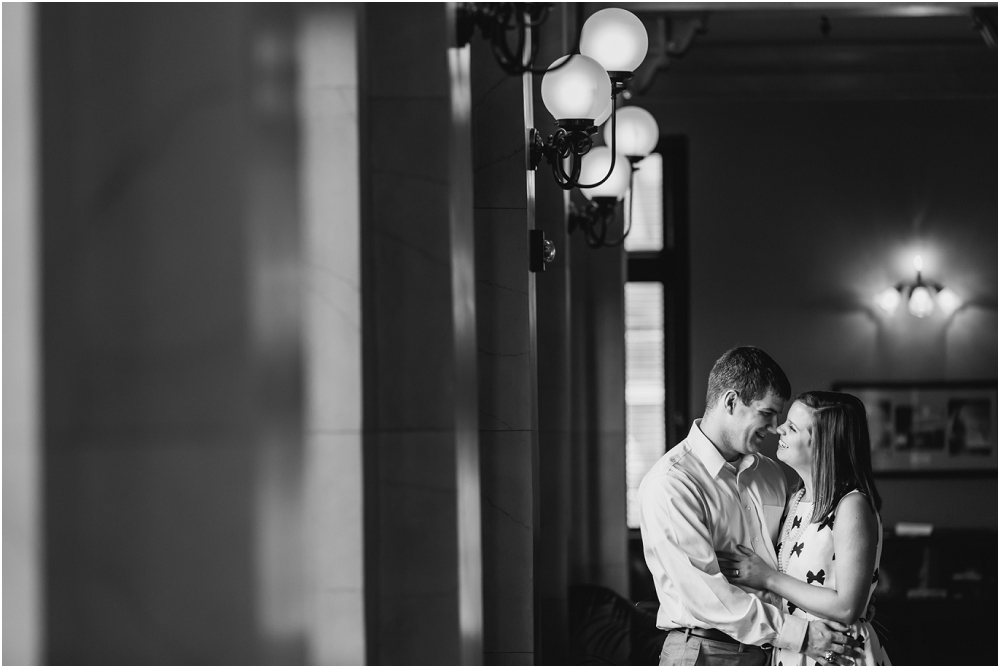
(677, 536)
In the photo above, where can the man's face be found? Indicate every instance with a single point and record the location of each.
(751, 424)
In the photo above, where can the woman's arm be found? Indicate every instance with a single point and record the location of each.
(855, 539)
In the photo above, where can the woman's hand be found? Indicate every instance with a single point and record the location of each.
(744, 568)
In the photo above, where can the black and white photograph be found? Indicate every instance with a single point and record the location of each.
(500, 334)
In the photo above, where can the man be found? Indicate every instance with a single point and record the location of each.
(712, 492)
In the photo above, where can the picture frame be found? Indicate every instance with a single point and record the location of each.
(930, 426)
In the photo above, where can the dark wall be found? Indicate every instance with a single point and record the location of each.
(801, 210)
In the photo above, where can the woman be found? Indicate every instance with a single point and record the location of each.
(831, 539)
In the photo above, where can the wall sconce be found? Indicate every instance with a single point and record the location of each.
(603, 199)
(635, 137)
(579, 89)
(922, 297)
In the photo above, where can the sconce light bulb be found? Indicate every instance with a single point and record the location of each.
(616, 39)
(918, 263)
(948, 301)
(637, 132)
(888, 300)
(595, 166)
(921, 302)
(581, 89)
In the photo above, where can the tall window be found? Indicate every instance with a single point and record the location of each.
(645, 390)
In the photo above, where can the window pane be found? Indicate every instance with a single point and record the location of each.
(647, 206)
(645, 433)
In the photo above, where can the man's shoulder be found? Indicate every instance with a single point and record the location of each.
(675, 464)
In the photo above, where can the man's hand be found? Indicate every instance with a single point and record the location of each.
(829, 643)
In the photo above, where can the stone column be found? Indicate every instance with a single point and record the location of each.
(328, 88)
(504, 212)
(599, 540)
(422, 538)
(23, 632)
(552, 549)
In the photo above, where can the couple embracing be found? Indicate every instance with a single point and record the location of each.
(746, 573)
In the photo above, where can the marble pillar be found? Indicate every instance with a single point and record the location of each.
(23, 551)
(418, 303)
(599, 535)
(327, 45)
(508, 428)
(552, 290)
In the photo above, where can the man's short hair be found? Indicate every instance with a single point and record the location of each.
(751, 372)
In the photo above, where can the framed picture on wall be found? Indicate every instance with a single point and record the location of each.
(930, 426)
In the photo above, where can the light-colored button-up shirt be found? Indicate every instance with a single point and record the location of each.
(693, 503)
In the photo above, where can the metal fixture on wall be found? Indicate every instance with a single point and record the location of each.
(635, 137)
(496, 20)
(580, 90)
(922, 296)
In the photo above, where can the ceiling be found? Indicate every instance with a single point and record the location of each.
(826, 50)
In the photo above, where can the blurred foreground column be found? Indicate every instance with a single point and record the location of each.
(330, 157)
(22, 502)
(172, 335)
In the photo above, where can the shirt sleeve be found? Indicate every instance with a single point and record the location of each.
(676, 536)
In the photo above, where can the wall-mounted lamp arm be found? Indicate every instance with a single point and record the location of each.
(593, 219)
(596, 217)
(495, 20)
(614, 139)
(571, 141)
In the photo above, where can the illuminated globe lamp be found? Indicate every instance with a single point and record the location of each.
(636, 134)
(888, 300)
(921, 302)
(577, 91)
(948, 301)
(595, 165)
(597, 216)
(613, 41)
(617, 40)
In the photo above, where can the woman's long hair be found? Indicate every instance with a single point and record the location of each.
(841, 451)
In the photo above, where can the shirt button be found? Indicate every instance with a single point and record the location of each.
(748, 507)
(757, 539)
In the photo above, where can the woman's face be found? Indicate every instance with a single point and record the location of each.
(795, 437)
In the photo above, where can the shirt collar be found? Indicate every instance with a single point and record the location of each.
(709, 454)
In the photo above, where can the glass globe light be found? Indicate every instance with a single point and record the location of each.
(594, 168)
(580, 89)
(637, 132)
(615, 38)
(888, 300)
(948, 301)
(921, 302)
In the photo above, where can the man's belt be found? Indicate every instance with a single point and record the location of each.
(710, 634)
